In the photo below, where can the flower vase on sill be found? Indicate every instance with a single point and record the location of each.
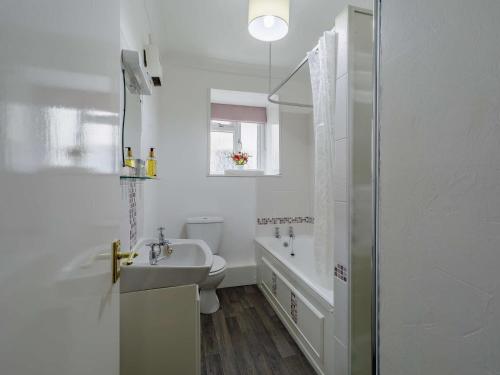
(240, 159)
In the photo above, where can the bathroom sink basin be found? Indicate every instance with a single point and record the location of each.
(189, 263)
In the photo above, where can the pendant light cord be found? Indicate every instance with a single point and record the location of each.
(269, 87)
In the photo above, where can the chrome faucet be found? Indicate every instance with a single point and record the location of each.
(154, 255)
(291, 234)
(155, 250)
(161, 236)
(277, 232)
(163, 242)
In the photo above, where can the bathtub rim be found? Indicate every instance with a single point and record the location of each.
(327, 299)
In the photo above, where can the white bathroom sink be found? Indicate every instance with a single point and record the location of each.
(189, 263)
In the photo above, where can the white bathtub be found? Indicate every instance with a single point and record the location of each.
(292, 287)
(301, 264)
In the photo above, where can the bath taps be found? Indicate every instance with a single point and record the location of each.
(291, 233)
(277, 232)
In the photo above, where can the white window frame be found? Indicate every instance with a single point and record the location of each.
(264, 140)
(234, 127)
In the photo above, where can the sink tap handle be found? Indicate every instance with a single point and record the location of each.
(153, 256)
(161, 236)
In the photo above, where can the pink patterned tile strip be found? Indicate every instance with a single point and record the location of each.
(274, 284)
(285, 220)
(341, 272)
(293, 307)
(132, 211)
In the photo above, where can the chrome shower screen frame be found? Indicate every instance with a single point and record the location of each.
(377, 7)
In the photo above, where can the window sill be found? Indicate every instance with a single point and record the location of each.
(244, 173)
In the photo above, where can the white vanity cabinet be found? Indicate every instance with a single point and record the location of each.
(160, 331)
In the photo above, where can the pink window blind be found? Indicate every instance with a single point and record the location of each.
(241, 113)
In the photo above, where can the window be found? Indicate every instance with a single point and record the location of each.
(222, 140)
(231, 137)
(241, 127)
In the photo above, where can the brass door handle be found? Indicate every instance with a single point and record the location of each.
(117, 256)
(130, 257)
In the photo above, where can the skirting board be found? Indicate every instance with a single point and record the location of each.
(240, 275)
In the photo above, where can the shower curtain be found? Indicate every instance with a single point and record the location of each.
(322, 65)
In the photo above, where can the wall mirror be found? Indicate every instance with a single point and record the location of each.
(132, 127)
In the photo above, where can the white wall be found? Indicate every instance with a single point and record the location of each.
(134, 31)
(184, 188)
(440, 187)
(291, 194)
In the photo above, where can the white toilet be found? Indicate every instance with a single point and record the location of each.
(209, 229)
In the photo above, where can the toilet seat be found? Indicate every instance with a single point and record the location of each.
(218, 264)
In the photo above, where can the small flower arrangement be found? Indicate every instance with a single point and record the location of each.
(239, 158)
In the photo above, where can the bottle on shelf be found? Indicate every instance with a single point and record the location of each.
(151, 163)
(129, 160)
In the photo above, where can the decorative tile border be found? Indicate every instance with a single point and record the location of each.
(285, 220)
(274, 284)
(293, 307)
(341, 272)
(132, 213)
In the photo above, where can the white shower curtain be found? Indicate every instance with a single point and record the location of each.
(322, 65)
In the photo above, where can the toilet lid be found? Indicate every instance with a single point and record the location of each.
(218, 264)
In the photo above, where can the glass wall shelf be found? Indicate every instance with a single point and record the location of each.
(142, 178)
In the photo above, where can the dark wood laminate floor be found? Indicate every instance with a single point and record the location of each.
(246, 337)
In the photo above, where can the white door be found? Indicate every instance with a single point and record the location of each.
(59, 188)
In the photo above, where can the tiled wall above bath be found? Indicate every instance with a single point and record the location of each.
(287, 200)
(300, 224)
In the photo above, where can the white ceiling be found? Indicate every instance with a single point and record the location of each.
(217, 29)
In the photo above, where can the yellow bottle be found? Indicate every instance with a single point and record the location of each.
(129, 161)
(151, 164)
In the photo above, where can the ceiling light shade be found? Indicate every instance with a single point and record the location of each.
(268, 19)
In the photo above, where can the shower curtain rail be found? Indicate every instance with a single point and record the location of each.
(284, 82)
(293, 72)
